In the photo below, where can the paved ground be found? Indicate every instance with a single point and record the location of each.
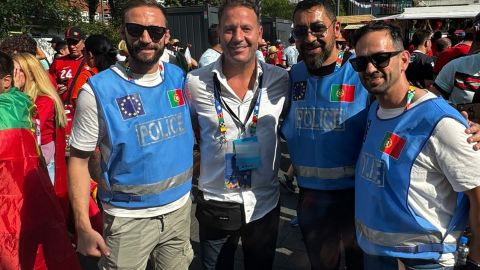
(290, 252)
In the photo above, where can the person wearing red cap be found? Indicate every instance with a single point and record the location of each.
(64, 68)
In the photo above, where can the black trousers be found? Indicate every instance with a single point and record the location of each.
(259, 240)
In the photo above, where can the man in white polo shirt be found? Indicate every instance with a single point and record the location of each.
(236, 103)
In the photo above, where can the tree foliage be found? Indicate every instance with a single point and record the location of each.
(109, 30)
(277, 8)
(186, 3)
(23, 15)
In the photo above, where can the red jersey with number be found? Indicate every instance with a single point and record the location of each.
(63, 69)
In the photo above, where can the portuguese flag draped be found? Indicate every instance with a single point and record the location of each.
(392, 145)
(342, 93)
(32, 228)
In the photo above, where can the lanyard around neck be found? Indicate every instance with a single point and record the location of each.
(254, 108)
(410, 95)
(339, 61)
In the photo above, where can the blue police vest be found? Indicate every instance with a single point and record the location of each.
(150, 136)
(324, 126)
(386, 225)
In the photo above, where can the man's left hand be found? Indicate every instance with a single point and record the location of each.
(474, 130)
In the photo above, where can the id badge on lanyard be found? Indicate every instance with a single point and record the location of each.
(242, 155)
(241, 158)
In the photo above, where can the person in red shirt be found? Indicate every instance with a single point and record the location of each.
(280, 48)
(461, 49)
(50, 117)
(31, 78)
(64, 68)
(100, 55)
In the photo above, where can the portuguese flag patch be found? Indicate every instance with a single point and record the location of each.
(392, 145)
(342, 93)
(175, 97)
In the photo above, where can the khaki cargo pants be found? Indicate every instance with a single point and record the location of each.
(164, 239)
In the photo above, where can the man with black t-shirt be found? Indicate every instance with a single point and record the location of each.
(420, 70)
(324, 129)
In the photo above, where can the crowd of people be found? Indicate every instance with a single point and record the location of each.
(383, 159)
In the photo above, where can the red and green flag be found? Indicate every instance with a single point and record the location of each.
(31, 220)
(342, 93)
(392, 145)
(175, 97)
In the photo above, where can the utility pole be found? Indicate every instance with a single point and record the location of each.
(103, 15)
(338, 7)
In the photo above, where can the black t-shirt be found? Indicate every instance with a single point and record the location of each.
(420, 69)
(326, 70)
(476, 97)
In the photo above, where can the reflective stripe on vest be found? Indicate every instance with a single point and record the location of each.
(402, 241)
(325, 173)
(155, 188)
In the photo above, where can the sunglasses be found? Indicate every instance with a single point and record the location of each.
(72, 42)
(378, 60)
(136, 30)
(317, 29)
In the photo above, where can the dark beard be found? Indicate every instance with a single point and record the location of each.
(315, 62)
(134, 49)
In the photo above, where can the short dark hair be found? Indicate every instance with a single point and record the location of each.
(19, 44)
(60, 45)
(393, 30)
(237, 3)
(103, 50)
(308, 4)
(6, 65)
(213, 35)
(437, 35)
(420, 37)
(142, 3)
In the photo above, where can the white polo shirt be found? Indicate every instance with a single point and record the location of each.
(264, 193)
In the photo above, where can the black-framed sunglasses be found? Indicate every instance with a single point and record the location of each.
(317, 29)
(136, 30)
(73, 42)
(378, 60)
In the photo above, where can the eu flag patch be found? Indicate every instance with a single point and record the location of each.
(130, 106)
(299, 89)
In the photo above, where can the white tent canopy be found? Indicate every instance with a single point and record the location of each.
(437, 12)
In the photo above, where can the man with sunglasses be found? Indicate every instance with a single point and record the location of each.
(137, 113)
(323, 130)
(64, 68)
(414, 177)
(236, 103)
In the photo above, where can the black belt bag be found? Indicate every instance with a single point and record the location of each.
(226, 216)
